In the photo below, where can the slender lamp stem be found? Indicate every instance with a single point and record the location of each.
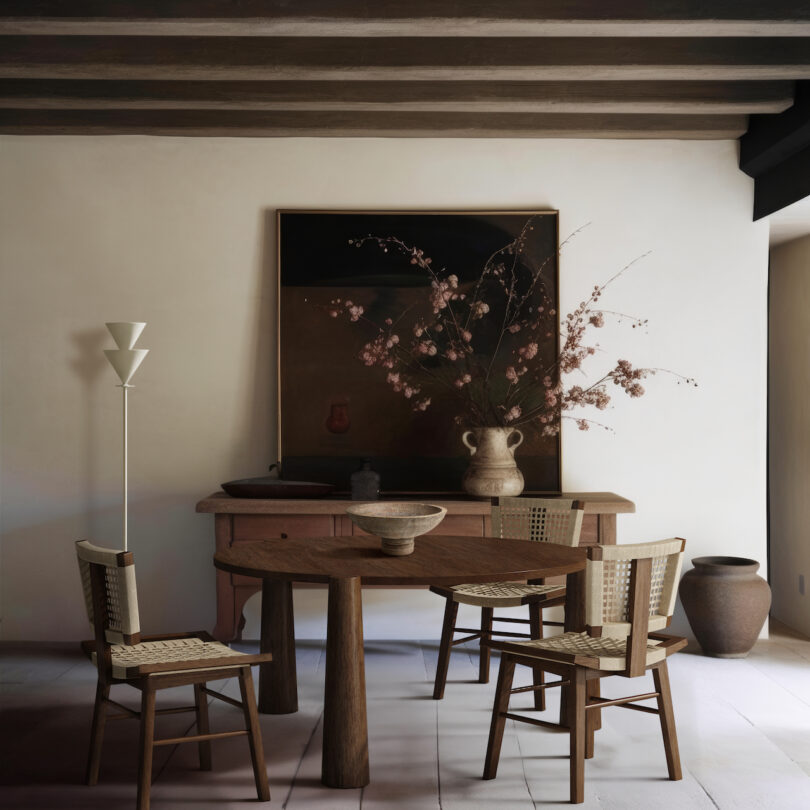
(125, 388)
(125, 360)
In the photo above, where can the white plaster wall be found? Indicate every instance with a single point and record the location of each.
(789, 433)
(179, 233)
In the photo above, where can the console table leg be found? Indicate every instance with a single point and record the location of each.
(226, 629)
(606, 530)
(278, 686)
(345, 729)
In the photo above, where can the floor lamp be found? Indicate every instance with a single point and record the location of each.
(125, 360)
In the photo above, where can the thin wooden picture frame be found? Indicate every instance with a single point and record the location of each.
(333, 412)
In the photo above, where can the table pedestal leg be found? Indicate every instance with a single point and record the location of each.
(278, 688)
(345, 730)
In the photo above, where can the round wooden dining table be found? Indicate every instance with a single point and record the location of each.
(344, 564)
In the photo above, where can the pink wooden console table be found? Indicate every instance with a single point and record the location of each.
(238, 520)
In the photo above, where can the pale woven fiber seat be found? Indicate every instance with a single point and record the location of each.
(502, 594)
(132, 661)
(547, 520)
(630, 590)
(609, 654)
(123, 656)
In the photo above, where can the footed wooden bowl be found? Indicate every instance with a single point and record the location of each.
(395, 523)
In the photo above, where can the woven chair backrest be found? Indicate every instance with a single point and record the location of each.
(550, 520)
(117, 593)
(607, 582)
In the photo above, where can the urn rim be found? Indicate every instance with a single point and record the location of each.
(726, 564)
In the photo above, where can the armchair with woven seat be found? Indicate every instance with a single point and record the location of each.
(630, 593)
(150, 663)
(550, 520)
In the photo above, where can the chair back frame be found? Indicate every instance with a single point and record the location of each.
(111, 600)
(550, 520)
(631, 590)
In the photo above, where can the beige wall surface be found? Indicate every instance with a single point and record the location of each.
(789, 433)
(180, 233)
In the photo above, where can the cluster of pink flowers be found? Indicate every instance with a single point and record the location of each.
(443, 292)
(396, 382)
(337, 307)
(518, 380)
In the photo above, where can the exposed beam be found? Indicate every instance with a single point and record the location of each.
(354, 58)
(385, 124)
(329, 18)
(775, 151)
(784, 184)
(686, 98)
(772, 139)
(511, 68)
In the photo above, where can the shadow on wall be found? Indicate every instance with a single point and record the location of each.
(257, 446)
(89, 365)
(173, 548)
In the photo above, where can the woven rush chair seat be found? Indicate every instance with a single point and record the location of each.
(169, 655)
(545, 520)
(609, 654)
(150, 663)
(503, 594)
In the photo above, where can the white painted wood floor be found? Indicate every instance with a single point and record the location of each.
(743, 725)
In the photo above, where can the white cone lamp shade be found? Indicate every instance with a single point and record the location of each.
(125, 361)
(125, 334)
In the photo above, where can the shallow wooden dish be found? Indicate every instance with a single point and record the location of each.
(269, 487)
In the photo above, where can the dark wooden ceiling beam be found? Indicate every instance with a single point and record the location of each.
(772, 139)
(775, 151)
(356, 58)
(511, 68)
(382, 124)
(407, 17)
(784, 184)
(689, 98)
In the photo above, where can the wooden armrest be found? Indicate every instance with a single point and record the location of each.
(669, 643)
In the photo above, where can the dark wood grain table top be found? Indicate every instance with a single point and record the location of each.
(437, 560)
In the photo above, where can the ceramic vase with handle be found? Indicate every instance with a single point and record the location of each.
(492, 472)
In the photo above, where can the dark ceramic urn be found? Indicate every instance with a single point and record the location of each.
(726, 602)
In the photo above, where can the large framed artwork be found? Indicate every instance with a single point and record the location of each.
(350, 283)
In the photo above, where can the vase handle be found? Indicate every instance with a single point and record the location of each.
(465, 438)
(514, 446)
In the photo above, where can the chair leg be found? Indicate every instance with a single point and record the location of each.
(539, 677)
(593, 717)
(576, 717)
(254, 733)
(146, 745)
(449, 625)
(201, 710)
(667, 717)
(483, 650)
(506, 672)
(97, 733)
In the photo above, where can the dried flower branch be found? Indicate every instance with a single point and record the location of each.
(517, 381)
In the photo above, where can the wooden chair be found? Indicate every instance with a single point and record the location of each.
(150, 663)
(550, 520)
(630, 591)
